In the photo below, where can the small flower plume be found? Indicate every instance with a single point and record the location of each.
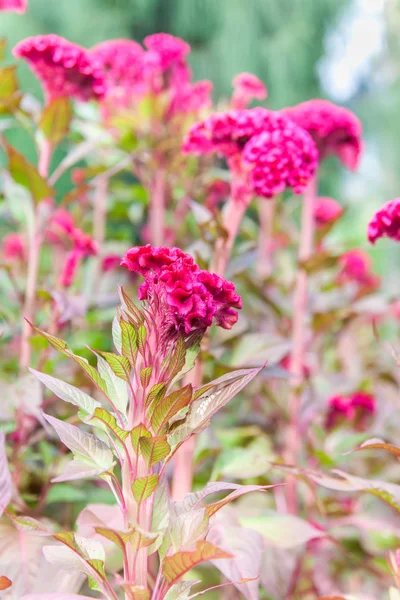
(326, 210)
(334, 129)
(358, 408)
(356, 266)
(13, 247)
(386, 222)
(247, 87)
(187, 299)
(83, 246)
(275, 152)
(121, 63)
(64, 68)
(18, 6)
(110, 262)
(168, 49)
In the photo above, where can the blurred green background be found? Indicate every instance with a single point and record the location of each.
(344, 50)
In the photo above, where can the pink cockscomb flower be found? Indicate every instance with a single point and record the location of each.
(18, 6)
(356, 266)
(64, 68)
(334, 129)
(189, 298)
(169, 49)
(386, 222)
(273, 151)
(13, 247)
(83, 243)
(121, 61)
(191, 98)
(70, 268)
(246, 88)
(358, 408)
(326, 210)
(110, 262)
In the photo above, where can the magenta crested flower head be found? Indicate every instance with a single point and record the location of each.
(274, 152)
(357, 408)
(356, 267)
(64, 68)
(121, 62)
(168, 48)
(18, 6)
(385, 222)
(185, 298)
(247, 87)
(326, 210)
(334, 129)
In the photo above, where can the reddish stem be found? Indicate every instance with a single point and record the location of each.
(157, 209)
(33, 264)
(266, 212)
(233, 214)
(293, 442)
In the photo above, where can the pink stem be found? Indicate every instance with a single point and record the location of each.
(157, 210)
(33, 265)
(235, 209)
(266, 211)
(100, 210)
(293, 443)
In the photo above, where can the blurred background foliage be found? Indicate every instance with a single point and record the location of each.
(344, 50)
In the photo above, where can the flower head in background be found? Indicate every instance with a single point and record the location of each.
(170, 50)
(268, 149)
(326, 210)
(386, 222)
(357, 408)
(184, 297)
(247, 87)
(18, 6)
(121, 62)
(13, 247)
(110, 262)
(356, 266)
(334, 129)
(64, 68)
(83, 246)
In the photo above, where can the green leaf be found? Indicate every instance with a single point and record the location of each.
(176, 565)
(145, 375)
(68, 392)
(163, 411)
(110, 422)
(117, 389)
(25, 174)
(63, 492)
(57, 343)
(132, 311)
(120, 365)
(91, 372)
(85, 446)
(56, 119)
(10, 95)
(143, 487)
(191, 354)
(138, 432)
(154, 449)
(129, 346)
(156, 393)
(141, 339)
(176, 361)
(283, 530)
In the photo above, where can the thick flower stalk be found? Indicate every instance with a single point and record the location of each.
(385, 222)
(146, 420)
(336, 131)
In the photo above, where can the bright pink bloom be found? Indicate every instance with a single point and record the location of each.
(70, 268)
(246, 88)
(190, 298)
(326, 210)
(386, 222)
(275, 152)
(83, 243)
(169, 49)
(64, 68)
(121, 61)
(191, 98)
(18, 6)
(110, 262)
(334, 129)
(357, 407)
(357, 267)
(13, 247)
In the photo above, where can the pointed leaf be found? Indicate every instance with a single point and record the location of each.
(154, 449)
(138, 432)
(76, 469)
(143, 487)
(283, 530)
(25, 174)
(56, 119)
(163, 411)
(129, 346)
(117, 389)
(156, 393)
(141, 339)
(68, 392)
(5, 583)
(85, 446)
(120, 365)
(130, 308)
(109, 421)
(145, 375)
(377, 444)
(176, 361)
(191, 353)
(176, 565)
(116, 334)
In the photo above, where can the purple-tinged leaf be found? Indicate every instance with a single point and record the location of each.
(162, 411)
(377, 444)
(283, 530)
(175, 566)
(153, 449)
